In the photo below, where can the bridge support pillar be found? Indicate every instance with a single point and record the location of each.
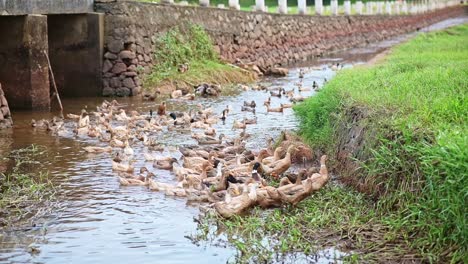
(24, 71)
(75, 48)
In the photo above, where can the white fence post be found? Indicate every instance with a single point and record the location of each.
(283, 6)
(358, 7)
(319, 7)
(233, 4)
(204, 3)
(404, 8)
(347, 7)
(260, 5)
(302, 7)
(334, 7)
(388, 8)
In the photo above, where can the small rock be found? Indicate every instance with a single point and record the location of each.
(108, 91)
(115, 82)
(132, 68)
(128, 82)
(119, 67)
(115, 46)
(136, 91)
(130, 74)
(3, 100)
(122, 91)
(5, 111)
(137, 81)
(278, 71)
(110, 56)
(108, 75)
(107, 66)
(147, 58)
(127, 54)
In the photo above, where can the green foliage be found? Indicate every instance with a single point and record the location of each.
(23, 186)
(190, 44)
(416, 137)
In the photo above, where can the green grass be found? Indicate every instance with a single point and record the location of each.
(23, 188)
(415, 155)
(335, 217)
(190, 44)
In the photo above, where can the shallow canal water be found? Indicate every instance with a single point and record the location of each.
(97, 221)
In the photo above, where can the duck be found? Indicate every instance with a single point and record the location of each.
(251, 121)
(315, 86)
(301, 73)
(224, 115)
(278, 167)
(119, 166)
(303, 89)
(336, 66)
(210, 131)
(236, 205)
(208, 141)
(93, 149)
(127, 149)
(297, 98)
(278, 94)
(277, 110)
(247, 109)
(164, 164)
(38, 124)
(276, 156)
(176, 94)
(83, 120)
(153, 96)
(134, 181)
(239, 125)
(286, 105)
(162, 109)
(252, 104)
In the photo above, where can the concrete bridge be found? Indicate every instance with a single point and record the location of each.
(68, 31)
(109, 52)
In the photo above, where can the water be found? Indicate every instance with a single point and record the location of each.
(97, 220)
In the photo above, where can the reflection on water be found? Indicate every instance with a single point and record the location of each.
(97, 220)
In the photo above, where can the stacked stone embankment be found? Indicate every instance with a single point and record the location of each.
(5, 114)
(264, 39)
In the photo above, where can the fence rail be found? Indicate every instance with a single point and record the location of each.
(397, 7)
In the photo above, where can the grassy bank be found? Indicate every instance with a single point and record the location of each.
(413, 108)
(414, 159)
(191, 45)
(23, 188)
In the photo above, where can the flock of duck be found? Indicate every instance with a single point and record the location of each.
(218, 170)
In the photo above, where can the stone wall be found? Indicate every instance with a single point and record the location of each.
(262, 38)
(5, 115)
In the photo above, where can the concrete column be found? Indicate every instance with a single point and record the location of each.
(302, 7)
(282, 6)
(24, 71)
(319, 7)
(397, 8)
(204, 3)
(347, 7)
(260, 5)
(334, 7)
(75, 43)
(388, 8)
(358, 7)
